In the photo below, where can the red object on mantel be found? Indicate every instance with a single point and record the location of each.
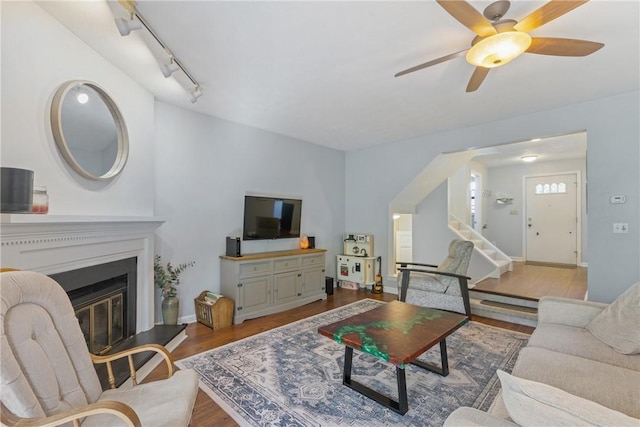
(40, 201)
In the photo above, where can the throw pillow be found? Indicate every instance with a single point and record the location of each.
(618, 325)
(530, 403)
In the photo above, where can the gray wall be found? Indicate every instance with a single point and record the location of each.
(204, 168)
(375, 176)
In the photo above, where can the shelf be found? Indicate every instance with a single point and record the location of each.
(274, 254)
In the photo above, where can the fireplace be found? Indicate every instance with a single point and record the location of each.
(104, 299)
(51, 244)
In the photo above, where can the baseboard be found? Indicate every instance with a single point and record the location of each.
(583, 264)
(516, 258)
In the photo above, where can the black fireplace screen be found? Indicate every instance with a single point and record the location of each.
(104, 300)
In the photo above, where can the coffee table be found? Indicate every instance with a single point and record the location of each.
(396, 332)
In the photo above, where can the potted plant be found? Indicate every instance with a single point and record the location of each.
(167, 278)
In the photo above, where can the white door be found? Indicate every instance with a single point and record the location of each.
(404, 246)
(551, 219)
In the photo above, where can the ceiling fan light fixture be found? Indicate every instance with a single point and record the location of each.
(498, 49)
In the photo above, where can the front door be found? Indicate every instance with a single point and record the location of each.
(551, 219)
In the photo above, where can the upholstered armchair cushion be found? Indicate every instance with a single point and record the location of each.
(439, 290)
(47, 370)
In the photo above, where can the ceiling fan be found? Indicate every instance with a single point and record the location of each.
(499, 41)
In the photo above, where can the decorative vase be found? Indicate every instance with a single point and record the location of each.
(170, 306)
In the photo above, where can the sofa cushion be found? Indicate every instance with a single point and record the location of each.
(619, 324)
(580, 342)
(470, 417)
(611, 386)
(531, 403)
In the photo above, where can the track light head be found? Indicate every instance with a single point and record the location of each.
(168, 69)
(125, 26)
(195, 94)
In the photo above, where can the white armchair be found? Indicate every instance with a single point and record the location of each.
(47, 372)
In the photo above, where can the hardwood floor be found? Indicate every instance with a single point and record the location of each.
(535, 281)
(201, 338)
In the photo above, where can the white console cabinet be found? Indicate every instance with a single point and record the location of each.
(269, 282)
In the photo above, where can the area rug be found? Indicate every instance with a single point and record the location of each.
(292, 376)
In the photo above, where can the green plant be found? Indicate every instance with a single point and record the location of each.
(167, 278)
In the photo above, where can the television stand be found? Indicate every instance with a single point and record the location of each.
(269, 282)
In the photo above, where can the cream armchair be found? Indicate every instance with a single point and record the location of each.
(47, 372)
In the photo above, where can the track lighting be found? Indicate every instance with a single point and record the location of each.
(195, 94)
(125, 26)
(168, 69)
(135, 22)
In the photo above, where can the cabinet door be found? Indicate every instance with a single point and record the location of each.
(312, 281)
(285, 287)
(254, 294)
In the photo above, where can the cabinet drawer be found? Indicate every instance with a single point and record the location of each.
(281, 264)
(313, 261)
(252, 268)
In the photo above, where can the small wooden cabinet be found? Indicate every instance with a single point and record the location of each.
(269, 282)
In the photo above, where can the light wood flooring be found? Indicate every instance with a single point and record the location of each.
(201, 338)
(535, 281)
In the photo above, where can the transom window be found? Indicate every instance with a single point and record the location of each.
(551, 188)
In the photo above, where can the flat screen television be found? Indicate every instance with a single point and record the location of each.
(271, 218)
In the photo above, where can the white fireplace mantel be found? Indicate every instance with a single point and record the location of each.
(53, 244)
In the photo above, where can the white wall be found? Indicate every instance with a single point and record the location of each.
(458, 194)
(38, 55)
(505, 222)
(204, 168)
(613, 168)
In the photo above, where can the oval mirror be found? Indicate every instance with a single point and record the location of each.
(89, 130)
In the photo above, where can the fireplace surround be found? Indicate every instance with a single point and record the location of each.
(51, 244)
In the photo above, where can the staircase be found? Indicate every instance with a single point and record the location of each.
(488, 250)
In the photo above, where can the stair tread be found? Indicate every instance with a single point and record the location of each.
(512, 310)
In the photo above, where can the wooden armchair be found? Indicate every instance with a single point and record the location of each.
(47, 373)
(444, 286)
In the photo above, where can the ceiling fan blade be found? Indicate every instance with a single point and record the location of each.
(563, 47)
(547, 13)
(430, 63)
(477, 78)
(468, 16)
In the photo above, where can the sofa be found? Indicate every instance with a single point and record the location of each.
(581, 366)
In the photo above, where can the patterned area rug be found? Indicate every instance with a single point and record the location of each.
(292, 376)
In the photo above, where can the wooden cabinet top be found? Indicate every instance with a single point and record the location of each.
(274, 254)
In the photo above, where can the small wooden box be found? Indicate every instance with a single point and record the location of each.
(215, 315)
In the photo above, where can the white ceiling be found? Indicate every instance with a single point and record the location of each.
(323, 71)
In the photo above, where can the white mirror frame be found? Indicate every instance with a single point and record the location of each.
(61, 142)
